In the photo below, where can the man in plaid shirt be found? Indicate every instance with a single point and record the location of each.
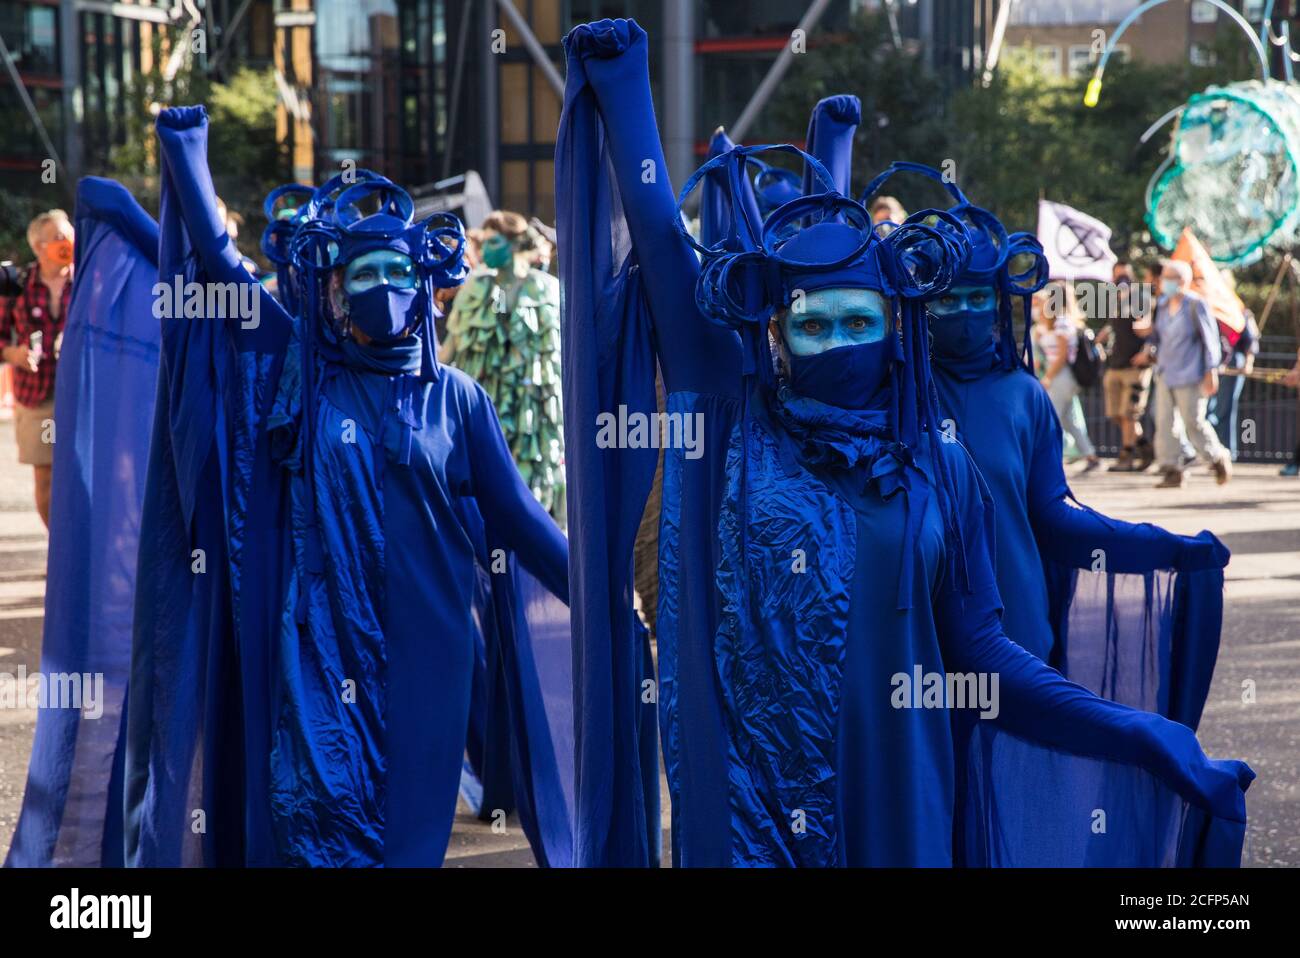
(31, 326)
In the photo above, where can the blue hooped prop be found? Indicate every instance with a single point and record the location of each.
(994, 255)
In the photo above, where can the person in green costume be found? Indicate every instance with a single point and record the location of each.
(504, 330)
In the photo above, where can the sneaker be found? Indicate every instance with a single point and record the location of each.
(1172, 479)
(1093, 463)
(1222, 470)
(1290, 470)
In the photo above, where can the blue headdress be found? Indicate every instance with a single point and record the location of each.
(824, 240)
(1013, 264)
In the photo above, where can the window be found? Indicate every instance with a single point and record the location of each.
(1203, 12)
(1049, 59)
(1081, 59)
(1201, 55)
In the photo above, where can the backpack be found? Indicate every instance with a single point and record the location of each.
(1088, 360)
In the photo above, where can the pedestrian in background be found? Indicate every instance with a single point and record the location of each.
(1057, 323)
(1126, 387)
(1183, 342)
(31, 327)
(1239, 358)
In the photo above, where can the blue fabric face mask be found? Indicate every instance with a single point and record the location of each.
(383, 312)
(851, 377)
(961, 329)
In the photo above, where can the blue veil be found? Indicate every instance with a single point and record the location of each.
(72, 808)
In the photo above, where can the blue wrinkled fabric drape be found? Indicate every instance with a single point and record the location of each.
(108, 366)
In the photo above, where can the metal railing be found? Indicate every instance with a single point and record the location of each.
(1273, 410)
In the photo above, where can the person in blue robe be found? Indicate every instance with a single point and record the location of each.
(302, 663)
(1128, 609)
(108, 368)
(825, 553)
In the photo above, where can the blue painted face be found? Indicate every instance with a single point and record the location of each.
(830, 318)
(382, 267)
(964, 299)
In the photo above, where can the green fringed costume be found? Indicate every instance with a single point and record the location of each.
(507, 336)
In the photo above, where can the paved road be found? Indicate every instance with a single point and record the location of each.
(1257, 515)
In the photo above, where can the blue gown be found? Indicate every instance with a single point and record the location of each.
(108, 367)
(774, 688)
(291, 705)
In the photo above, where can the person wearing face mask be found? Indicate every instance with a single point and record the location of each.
(820, 543)
(504, 330)
(1183, 344)
(31, 327)
(1007, 421)
(304, 636)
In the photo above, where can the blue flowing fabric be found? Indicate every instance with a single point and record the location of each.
(780, 740)
(108, 366)
(608, 363)
(291, 705)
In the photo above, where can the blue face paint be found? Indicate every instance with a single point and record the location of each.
(377, 268)
(838, 348)
(830, 318)
(964, 299)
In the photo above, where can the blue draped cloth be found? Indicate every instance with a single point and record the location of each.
(108, 366)
(781, 739)
(304, 644)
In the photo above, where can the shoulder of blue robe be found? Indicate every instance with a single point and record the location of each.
(831, 126)
(608, 369)
(108, 365)
(214, 542)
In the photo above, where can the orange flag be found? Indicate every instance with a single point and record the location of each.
(1208, 282)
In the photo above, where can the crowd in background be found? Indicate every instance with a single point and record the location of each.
(1171, 376)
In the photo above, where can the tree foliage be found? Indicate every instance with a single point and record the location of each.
(1024, 136)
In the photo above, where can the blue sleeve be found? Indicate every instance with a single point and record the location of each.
(831, 127)
(694, 354)
(183, 141)
(1071, 533)
(507, 503)
(1213, 353)
(1036, 703)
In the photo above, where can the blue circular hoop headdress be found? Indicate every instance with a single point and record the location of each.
(1014, 264)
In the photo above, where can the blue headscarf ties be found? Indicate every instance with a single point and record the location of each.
(828, 438)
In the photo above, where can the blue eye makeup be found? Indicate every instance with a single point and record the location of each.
(829, 318)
